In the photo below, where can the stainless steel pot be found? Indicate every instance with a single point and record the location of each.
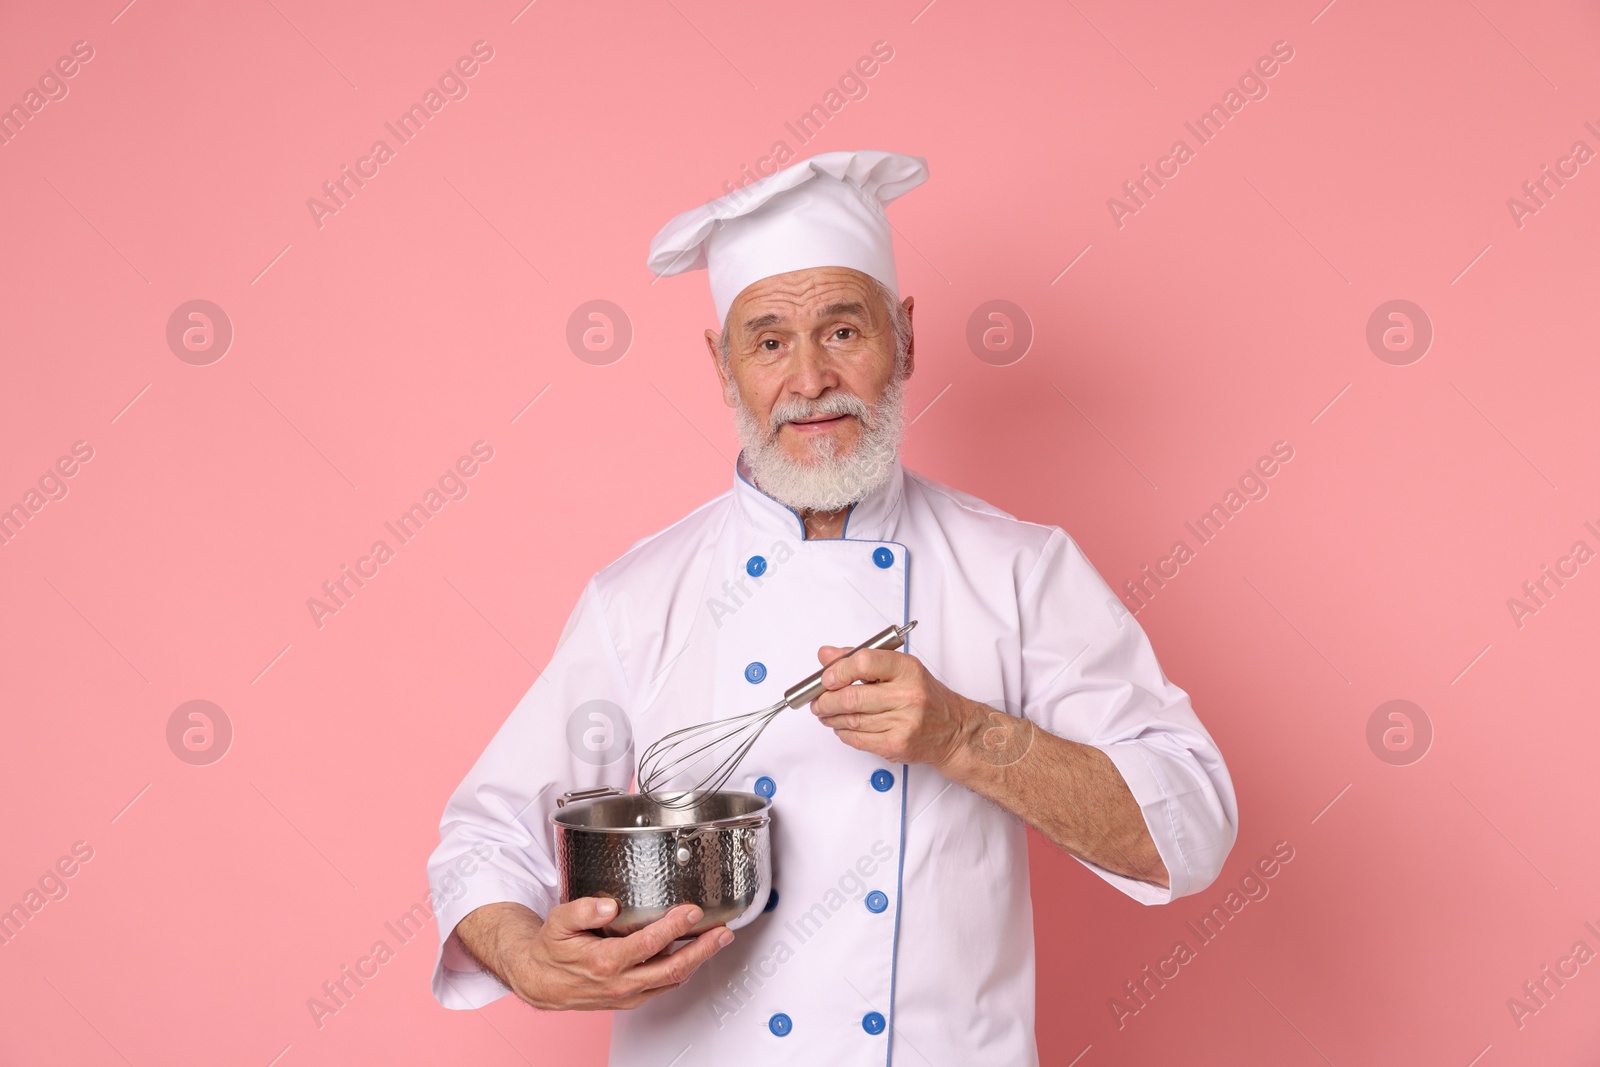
(714, 852)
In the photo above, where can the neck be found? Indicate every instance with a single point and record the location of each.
(822, 524)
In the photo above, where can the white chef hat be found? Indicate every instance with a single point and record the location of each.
(825, 211)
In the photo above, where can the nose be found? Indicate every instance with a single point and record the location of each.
(812, 371)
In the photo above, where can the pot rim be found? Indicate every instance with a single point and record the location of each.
(758, 819)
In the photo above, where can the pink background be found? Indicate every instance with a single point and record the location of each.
(1229, 313)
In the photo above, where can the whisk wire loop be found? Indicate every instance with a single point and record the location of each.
(724, 743)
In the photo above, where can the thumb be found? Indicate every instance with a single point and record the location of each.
(828, 653)
(577, 916)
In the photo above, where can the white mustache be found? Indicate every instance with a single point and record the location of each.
(827, 482)
(829, 404)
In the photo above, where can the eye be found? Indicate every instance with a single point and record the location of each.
(769, 341)
(844, 330)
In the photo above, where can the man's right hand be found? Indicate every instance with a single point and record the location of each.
(558, 963)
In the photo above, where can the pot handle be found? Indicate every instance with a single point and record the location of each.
(588, 794)
(687, 833)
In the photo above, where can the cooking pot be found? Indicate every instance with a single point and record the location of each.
(710, 849)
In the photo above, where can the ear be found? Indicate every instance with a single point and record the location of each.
(716, 363)
(909, 303)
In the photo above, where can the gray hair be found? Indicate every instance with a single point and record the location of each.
(899, 319)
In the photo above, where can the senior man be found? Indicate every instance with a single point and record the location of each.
(901, 923)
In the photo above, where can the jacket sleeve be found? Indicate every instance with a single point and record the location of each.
(1090, 675)
(568, 732)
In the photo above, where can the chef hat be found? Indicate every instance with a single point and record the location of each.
(826, 211)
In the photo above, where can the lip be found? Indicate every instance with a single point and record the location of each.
(817, 425)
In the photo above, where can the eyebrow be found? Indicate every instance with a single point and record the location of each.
(841, 307)
(844, 307)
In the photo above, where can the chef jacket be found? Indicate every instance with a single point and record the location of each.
(900, 927)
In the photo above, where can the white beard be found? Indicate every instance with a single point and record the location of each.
(827, 482)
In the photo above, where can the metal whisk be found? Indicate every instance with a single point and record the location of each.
(713, 750)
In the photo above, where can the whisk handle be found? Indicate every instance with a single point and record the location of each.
(889, 638)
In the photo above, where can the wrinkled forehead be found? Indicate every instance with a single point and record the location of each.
(804, 297)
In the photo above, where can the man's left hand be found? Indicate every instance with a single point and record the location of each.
(901, 712)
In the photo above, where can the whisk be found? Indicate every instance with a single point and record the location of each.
(714, 750)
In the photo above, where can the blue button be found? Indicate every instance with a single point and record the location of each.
(772, 901)
(780, 1024)
(882, 781)
(755, 672)
(872, 1023)
(755, 567)
(876, 901)
(766, 786)
(883, 557)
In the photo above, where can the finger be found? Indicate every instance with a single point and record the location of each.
(874, 743)
(637, 999)
(640, 945)
(676, 969)
(871, 698)
(862, 722)
(580, 915)
(867, 665)
(640, 997)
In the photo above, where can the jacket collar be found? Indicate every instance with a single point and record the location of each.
(869, 519)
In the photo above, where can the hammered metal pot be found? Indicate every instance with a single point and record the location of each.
(715, 852)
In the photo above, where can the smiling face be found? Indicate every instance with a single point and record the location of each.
(813, 373)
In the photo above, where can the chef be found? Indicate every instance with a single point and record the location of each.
(900, 928)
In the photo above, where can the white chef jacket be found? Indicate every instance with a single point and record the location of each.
(901, 926)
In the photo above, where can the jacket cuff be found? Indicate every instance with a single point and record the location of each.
(458, 980)
(1156, 805)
